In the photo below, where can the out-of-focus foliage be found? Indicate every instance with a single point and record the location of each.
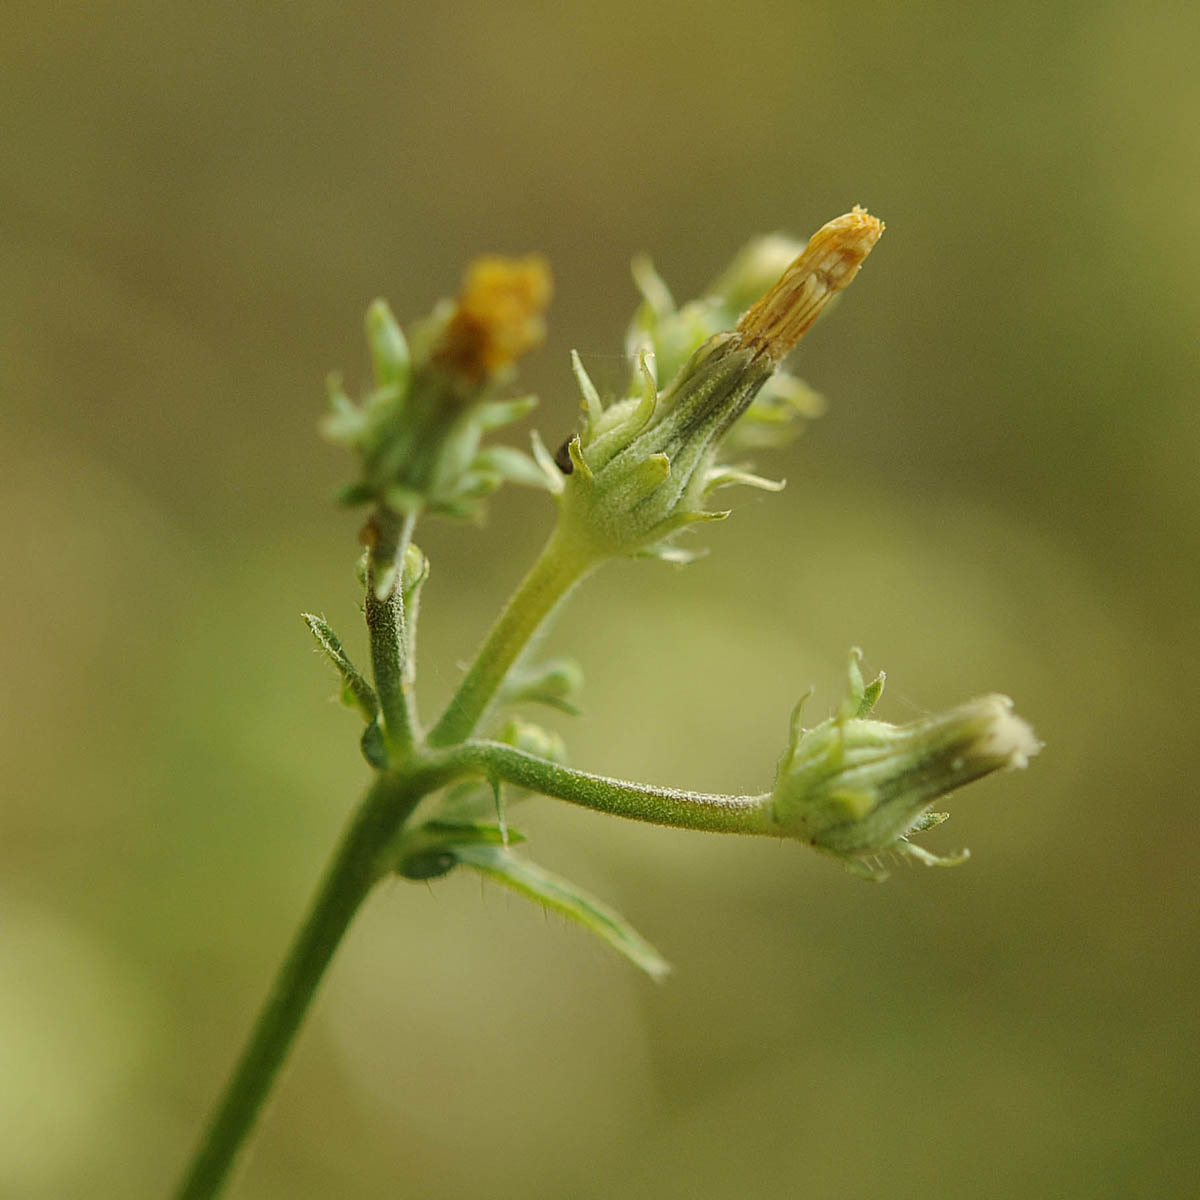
(199, 202)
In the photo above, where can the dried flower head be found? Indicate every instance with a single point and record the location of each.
(827, 265)
(497, 317)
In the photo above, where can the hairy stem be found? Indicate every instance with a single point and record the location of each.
(385, 627)
(713, 813)
(557, 569)
(352, 872)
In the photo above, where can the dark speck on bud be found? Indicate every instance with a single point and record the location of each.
(562, 457)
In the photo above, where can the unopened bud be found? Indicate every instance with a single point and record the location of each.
(857, 787)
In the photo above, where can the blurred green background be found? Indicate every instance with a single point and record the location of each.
(197, 204)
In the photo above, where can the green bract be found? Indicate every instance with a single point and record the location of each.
(641, 469)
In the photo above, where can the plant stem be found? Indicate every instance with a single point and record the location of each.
(713, 813)
(557, 569)
(385, 626)
(352, 872)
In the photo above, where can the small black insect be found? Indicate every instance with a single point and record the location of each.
(562, 457)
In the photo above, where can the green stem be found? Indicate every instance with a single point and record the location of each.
(352, 872)
(385, 627)
(557, 569)
(710, 812)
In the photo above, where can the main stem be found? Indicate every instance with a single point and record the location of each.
(350, 876)
(557, 569)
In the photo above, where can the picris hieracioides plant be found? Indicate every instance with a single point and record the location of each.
(635, 479)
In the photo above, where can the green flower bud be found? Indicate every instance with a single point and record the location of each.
(856, 787)
(533, 739)
(555, 682)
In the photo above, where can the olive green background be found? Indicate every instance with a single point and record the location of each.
(196, 204)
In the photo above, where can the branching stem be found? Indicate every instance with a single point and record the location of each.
(710, 812)
(557, 569)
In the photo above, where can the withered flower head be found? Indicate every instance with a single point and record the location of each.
(497, 317)
(827, 265)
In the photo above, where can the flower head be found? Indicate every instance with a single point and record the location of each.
(497, 317)
(642, 467)
(418, 433)
(857, 788)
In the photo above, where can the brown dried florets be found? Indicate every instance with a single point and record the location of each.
(828, 263)
(497, 318)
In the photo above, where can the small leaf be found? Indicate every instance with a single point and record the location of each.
(514, 465)
(345, 422)
(650, 283)
(871, 694)
(927, 821)
(361, 694)
(466, 802)
(647, 397)
(495, 413)
(373, 749)
(545, 461)
(723, 476)
(906, 849)
(578, 462)
(389, 350)
(699, 517)
(591, 398)
(564, 897)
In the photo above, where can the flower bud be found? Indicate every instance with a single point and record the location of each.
(533, 739)
(555, 682)
(642, 467)
(856, 787)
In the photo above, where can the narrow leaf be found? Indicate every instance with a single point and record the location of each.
(512, 464)
(545, 460)
(359, 691)
(531, 881)
(496, 413)
(650, 283)
(591, 398)
(389, 350)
